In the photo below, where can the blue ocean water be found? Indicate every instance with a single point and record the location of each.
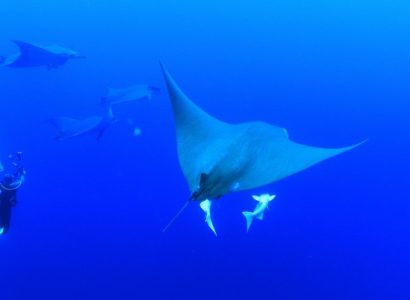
(89, 220)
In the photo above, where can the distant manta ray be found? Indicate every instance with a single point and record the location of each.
(218, 158)
(129, 94)
(34, 55)
(70, 128)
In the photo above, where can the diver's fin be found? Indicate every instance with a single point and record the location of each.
(176, 216)
(249, 219)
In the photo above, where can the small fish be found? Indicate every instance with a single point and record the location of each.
(259, 210)
(206, 207)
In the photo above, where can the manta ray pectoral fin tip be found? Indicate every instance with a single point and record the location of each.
(171, 84)
(348, 148)
(362, 142)
(331, 152)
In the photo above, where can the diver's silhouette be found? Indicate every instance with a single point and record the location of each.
(8, 190)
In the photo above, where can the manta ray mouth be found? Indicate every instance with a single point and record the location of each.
(207, 189)
(197, 196)
(202, 195)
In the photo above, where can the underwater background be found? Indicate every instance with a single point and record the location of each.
(89, 220)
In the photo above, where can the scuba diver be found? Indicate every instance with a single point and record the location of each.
(8, 189)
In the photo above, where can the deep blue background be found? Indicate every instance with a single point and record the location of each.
(88, 224)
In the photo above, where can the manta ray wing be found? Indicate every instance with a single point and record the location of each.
(69, 127)
(271, 157)
(31, 55)
(201, 139)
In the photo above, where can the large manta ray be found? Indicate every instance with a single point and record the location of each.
(34, 55)
(218, 158)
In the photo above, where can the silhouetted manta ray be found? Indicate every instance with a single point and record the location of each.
(218, 158)
(34, 55)
(70, 128)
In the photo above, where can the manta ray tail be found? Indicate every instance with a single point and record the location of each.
(249, 219)
(176, 216)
